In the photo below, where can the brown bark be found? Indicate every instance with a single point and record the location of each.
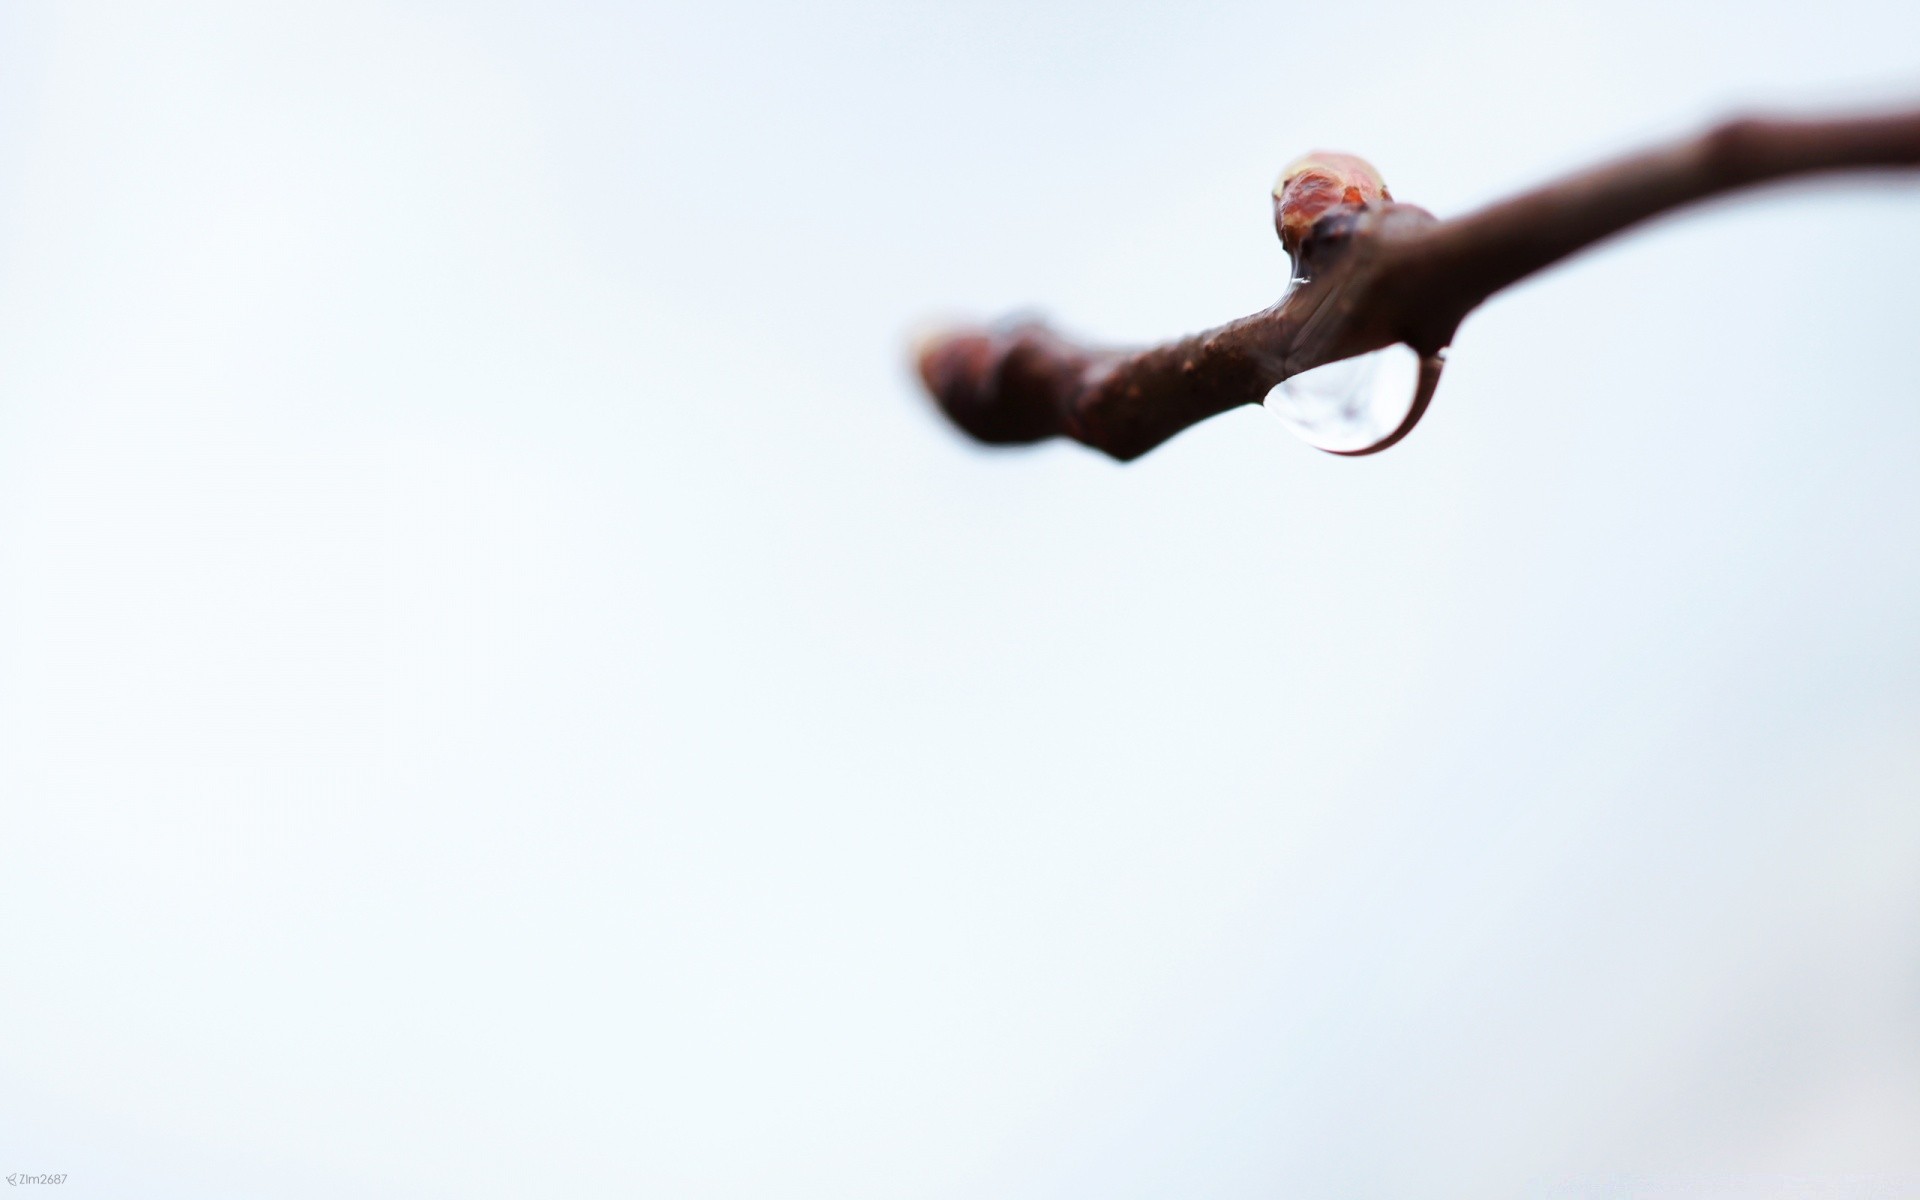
(1377, 275)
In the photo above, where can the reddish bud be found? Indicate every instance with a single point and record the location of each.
(1315, 185)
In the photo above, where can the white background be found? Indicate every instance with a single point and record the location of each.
(506, 688)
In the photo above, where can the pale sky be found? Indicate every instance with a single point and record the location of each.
(506, 687)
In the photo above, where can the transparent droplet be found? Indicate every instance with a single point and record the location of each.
(1352, 404)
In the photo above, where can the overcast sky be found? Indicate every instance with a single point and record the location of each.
(506, 687)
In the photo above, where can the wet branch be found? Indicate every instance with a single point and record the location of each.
(1375, 273)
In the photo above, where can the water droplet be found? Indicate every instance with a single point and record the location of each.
(1351, 404)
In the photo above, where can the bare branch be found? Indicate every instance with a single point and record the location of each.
(1369, 272)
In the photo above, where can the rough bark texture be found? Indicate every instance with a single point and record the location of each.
(1376, 274)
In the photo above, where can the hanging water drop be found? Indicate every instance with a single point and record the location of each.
(1349, 405)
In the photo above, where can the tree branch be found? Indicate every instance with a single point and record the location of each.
(1369, 273)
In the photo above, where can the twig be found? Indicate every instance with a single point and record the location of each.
(1370, 273)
